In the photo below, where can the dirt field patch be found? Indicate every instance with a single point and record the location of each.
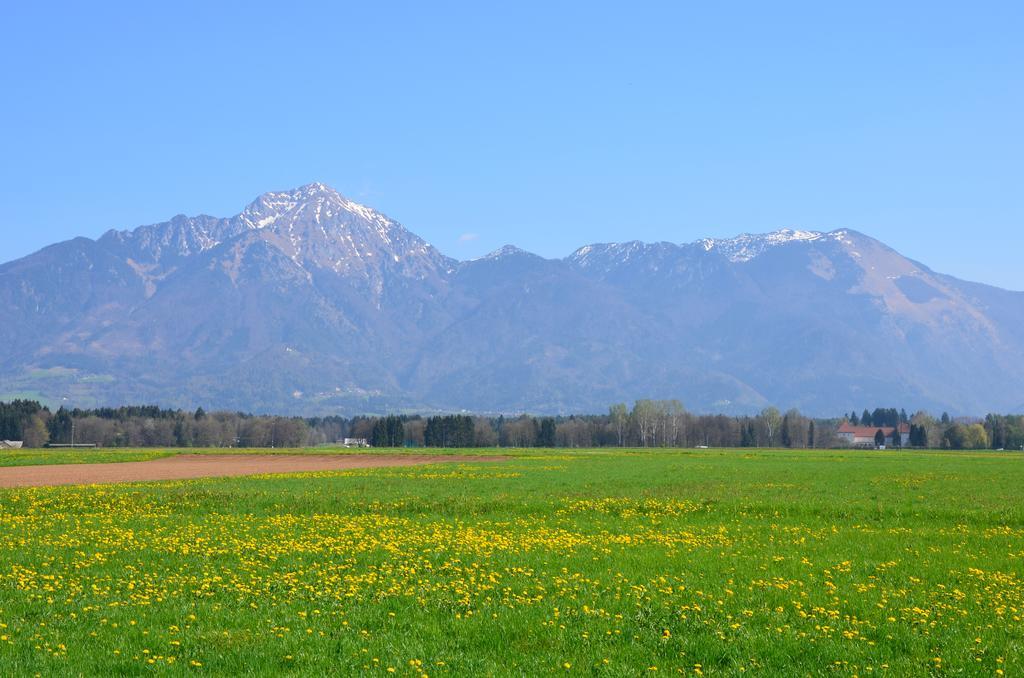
(185, 466)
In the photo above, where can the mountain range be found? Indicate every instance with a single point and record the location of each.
(307, 302)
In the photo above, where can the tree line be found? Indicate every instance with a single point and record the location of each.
(648, 423)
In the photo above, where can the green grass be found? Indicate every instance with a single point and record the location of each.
(727, 562)
(36, 457)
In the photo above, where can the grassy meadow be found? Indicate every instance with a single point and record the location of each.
(701, 562)
(37, 456)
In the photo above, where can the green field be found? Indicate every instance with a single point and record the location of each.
(705, 562)
(48, 456)
(37, 457)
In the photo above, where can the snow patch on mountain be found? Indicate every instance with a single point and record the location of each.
(505, 251)
(318, 203)
(748, 246)
(596, 254)
(740, 249)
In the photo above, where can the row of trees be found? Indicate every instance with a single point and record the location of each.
(996, 432)
(648, 423)
(37, 426)
(880, 417)
(24, 420)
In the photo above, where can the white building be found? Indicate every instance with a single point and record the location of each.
(864, 436)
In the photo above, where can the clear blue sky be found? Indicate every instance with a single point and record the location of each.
(546, 125)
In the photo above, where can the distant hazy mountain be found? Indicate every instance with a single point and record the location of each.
(307, 302)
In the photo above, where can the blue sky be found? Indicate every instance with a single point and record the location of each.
(546, 125)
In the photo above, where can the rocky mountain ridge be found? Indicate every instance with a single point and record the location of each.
(308, 302)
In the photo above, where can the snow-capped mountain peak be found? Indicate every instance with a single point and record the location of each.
(265, 210)
(747, 246)
(307, 291)
(318, 227)
(737, 250)
(318, 201)
(504, 251)
(597, 253)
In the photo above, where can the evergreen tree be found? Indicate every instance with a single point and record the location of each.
(431, 433)
(466, 433)
(810, 435)
(546, 434)
(885, 416)
(865, 419)
(379, 436)
(18, 416)
(181, 437)
(879, 438)
(447, 431)
(60, 427)
(787, 440)
(854, 419)
(397, 432)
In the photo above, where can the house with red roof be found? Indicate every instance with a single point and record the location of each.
(864, 436)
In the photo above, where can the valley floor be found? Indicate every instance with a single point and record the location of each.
(189, 466)
(702, 562)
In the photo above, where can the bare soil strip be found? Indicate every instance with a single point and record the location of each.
(186, 466)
